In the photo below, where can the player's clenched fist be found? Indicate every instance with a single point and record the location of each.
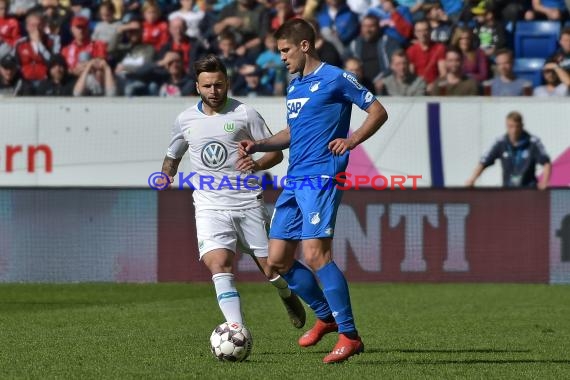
(246, 164)
(246, 147)
(340, 146)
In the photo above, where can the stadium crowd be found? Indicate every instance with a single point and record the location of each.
(147, 48)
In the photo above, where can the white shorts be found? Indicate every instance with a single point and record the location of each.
(232, 229)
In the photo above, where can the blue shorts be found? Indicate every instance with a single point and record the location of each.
(306, 209)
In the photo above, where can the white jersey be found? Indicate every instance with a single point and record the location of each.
(212, 143)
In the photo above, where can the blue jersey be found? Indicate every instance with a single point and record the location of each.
(319, 106)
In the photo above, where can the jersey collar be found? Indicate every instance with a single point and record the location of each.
(200, 106)
(314, 71)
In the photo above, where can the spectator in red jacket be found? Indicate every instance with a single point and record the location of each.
(155, 31)
(34, 51)
(9, 29)
(181, 43)
(82, 48)
(426, 57)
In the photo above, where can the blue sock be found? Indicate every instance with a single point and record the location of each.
(303, 282)
(335, 289)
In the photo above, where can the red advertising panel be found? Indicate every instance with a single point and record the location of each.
(415, 236)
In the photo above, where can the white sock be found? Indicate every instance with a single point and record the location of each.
(282, 286)
(228, 297)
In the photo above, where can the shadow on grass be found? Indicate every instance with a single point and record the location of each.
(463, 361)
(445, 351)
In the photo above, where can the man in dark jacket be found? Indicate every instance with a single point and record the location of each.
(519, 152)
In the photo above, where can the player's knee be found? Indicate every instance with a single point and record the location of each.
(218, 263)
(315, 258)
(277, 266)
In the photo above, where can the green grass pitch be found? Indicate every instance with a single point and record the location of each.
(95, 331)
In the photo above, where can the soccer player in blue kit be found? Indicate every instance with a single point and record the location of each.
(319, 105)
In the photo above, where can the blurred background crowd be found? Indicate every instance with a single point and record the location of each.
(396, 48)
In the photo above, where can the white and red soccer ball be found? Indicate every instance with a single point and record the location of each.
(231, 341)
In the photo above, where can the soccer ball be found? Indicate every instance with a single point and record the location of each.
(231, 341)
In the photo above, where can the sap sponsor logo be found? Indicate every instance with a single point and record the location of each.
(353, 80)
(294, 107)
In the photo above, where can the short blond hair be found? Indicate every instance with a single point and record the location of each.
(516, 117)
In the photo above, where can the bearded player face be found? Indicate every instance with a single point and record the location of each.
(213, 89)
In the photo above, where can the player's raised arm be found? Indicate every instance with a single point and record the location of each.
(377, 116)
(277, 142)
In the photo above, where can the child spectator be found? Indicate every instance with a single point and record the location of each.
(271, 65)
(155, 31)
(489, 31)
(108, 30)
(438, 22)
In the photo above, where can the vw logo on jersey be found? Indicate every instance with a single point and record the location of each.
(294, 107)
(214, 155)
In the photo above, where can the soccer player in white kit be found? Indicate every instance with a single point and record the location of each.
(229, 212)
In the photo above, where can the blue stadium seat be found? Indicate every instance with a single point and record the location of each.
(529, 69)
(536, 39)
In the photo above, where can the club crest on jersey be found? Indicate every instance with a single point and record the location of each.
(353, 80)
(294, 107)
(229, 127)
(314, 218)
(290, 89)
(214, 155)
(314, 86)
